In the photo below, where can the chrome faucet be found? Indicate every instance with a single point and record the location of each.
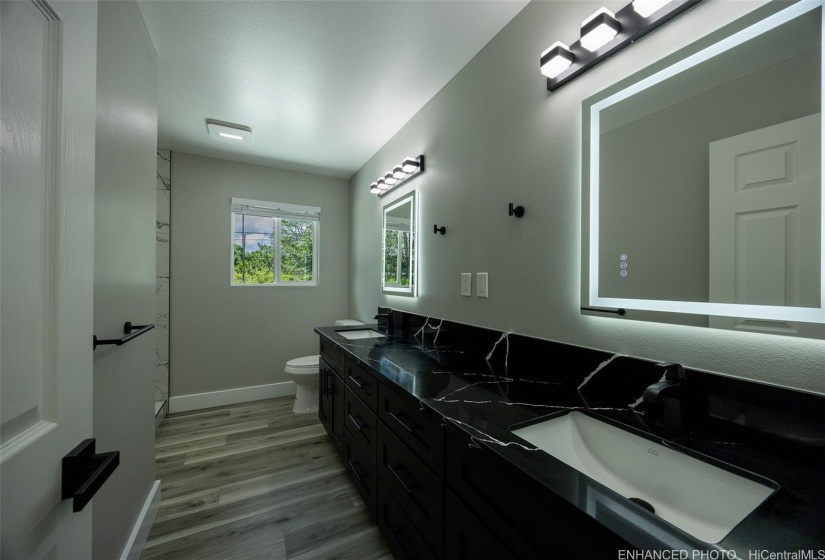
(665, 397)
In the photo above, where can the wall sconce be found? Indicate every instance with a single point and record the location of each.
(399, 175)
(604, 34)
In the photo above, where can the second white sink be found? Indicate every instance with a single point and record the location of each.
(361, 333)
(701, 499)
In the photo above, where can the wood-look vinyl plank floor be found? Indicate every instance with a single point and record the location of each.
(256, 481)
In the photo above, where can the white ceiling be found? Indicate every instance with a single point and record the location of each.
(323, 84)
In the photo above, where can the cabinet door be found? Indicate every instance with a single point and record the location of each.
(466, 537)
(518, 506)
(331, 404)
(337, 413)
(400, 533)
(325, 394)
(361, 471)
(419, 491)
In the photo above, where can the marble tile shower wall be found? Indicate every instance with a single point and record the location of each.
(164, 184)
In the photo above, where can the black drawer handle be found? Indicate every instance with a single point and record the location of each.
(355, 471)
(395, 540)
(329, 389)
(355, 380)
(397, 476)
(355, 422)
(397, 419)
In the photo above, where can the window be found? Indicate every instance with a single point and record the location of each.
(274, 244)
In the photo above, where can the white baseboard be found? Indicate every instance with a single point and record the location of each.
(185, 403)
(140, 532)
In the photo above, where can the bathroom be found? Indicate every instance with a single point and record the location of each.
(492, 135)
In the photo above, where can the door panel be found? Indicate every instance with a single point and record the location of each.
(765, 223)
(48, 60)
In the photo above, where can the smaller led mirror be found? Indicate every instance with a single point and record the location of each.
(398, 244)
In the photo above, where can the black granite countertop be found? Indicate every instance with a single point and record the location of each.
(484, 382)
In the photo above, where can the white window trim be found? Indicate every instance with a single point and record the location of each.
(277, 211)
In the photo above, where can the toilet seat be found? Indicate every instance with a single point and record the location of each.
(303, 365)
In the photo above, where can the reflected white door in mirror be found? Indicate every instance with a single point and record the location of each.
(702, 181)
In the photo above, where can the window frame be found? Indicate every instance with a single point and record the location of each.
(284, 212)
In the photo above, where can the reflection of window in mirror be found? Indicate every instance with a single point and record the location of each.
(398, 247)
(705, 181)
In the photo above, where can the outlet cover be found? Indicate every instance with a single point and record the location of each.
(466, 284)
(482, 288)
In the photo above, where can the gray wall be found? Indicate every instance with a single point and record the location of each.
(495, 135)
(124, 288)
(228, 337)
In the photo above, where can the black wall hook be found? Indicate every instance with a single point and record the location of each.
(518, 211)
(442, 230)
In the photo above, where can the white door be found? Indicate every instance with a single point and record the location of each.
(764, 222)
(47, 109)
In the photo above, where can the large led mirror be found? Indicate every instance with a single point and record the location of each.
(702, 182)
(398, 247)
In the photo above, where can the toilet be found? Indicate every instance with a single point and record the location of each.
(303, 372)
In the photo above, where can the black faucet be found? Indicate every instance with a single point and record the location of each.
(666, 398)
(386, 314)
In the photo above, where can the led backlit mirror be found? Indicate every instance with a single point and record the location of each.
(702, 182)
(398, 245)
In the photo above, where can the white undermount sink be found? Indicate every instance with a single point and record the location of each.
(699, 498)
(361, 333)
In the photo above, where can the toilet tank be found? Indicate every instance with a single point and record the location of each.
(348, 323)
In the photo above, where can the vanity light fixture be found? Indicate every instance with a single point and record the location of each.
(228, 132)
(399, 175)
(599, 29)
(646, 8)
(556, 59)
(604, 34)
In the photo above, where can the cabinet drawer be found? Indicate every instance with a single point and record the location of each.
(401, 535)
(363, 383)
(419, 491)
(332, 355)
(361, 471)
(361, 423)
(420, 429)
(466, 537)
(518, 506)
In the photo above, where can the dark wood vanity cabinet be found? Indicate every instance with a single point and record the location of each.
(433, 493)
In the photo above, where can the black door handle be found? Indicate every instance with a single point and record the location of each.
(84, 472)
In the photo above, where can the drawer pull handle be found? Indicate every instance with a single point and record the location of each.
(355, 380)
(355, 471)
(397, 476)
(395, 540)
(355, 422)
(329, 388)
(397, 419)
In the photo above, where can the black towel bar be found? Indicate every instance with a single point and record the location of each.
(129, 330)
(619, 311)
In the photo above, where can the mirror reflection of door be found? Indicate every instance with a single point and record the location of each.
(765, 223)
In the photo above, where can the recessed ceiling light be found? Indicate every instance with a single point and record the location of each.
(229, 132)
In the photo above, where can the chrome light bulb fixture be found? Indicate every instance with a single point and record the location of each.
(399, 175)
(603, 34)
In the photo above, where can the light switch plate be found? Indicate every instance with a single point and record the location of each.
(482, 288)
(466, 284)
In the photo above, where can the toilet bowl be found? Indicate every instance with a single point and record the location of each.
(303, 372)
